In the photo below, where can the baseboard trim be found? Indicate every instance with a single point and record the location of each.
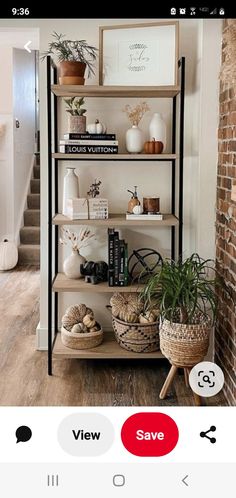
(41, 338)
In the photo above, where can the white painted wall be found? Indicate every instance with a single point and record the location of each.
(6, 145)
(199, 42)
(17, 96)
(24, 136)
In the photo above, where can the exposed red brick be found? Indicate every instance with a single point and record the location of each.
(225, 330)
(232, 145)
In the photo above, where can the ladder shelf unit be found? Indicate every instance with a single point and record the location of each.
(58, 282)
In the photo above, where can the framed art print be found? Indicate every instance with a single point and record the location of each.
(139, 54)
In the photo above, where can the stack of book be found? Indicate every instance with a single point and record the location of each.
(117, 260)
(89, 143)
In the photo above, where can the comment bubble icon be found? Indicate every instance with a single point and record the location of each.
(23, 434)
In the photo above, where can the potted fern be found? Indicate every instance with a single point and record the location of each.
(185, 293)
(77, 120)
(74, 56)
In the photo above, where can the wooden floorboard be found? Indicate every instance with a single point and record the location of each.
(23, 370)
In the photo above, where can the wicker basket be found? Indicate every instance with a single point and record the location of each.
(81, 341)
(137, 337)
(185, 345)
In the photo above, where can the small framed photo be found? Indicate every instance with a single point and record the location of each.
(139, 54)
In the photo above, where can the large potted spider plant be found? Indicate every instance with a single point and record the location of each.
(185, 293)
(74, 56)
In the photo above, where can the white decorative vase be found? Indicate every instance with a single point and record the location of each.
(77, 124)
(157, 129)
(70, 188)
(71, 265)
(134, 140)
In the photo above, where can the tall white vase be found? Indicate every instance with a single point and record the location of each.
(134, 140)
(70, 188)
(157, 129)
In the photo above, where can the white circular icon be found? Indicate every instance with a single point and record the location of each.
(206, 379)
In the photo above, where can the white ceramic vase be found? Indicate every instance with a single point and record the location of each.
(77, 124)
(157, 129)
(134, 140)
(71, 265)
(70, 188)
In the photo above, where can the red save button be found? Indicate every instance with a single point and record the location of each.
(149, 434)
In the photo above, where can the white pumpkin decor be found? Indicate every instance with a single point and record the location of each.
(138, 209)
(8, 255)
(96, 127)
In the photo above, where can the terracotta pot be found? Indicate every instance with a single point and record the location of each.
(72, 69)
(71, 80)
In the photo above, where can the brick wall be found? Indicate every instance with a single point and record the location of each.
(225, 339)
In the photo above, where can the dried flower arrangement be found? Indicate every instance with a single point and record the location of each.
(136, 113)
(228, 68)
(77, 241)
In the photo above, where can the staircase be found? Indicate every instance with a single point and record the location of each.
(29, 249)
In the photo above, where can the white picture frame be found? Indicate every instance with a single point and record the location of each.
(139, 54)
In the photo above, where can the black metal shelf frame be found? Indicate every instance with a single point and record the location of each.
(176, 179)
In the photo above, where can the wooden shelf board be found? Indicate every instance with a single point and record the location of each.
(115, 91)
(63, 284)
(107, 350)
(115, 157)
(118, 220)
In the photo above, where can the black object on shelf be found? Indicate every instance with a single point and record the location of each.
(94, 273)
(143, 262)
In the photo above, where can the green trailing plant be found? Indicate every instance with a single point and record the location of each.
(183, 289)
(72, 50)
(75, 106)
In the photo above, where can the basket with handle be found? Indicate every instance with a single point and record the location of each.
(136, 337)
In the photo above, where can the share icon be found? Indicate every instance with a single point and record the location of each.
(204, 434)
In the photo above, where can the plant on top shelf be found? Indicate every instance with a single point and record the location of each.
(74, 57)
(76, 118)
(186, 294)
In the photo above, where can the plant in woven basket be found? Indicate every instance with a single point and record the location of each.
(184, 289)
(186, 294)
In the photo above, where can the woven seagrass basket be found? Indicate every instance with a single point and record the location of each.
(137, 337)
(185, 345)
(81, 341)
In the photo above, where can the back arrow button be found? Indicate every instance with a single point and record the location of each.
(184, 480)
(26, 46)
